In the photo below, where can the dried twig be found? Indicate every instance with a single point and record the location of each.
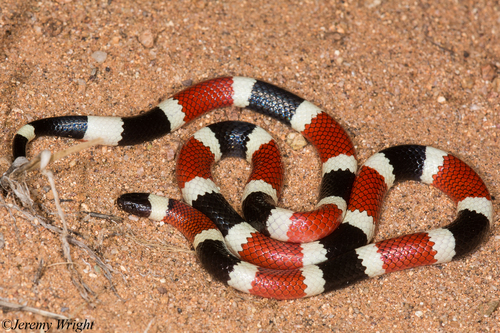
(149, 325)
(21, 191)
(83, 289)
(16, 230)
(34, 163)
(56, 230)
(39, 271)
(110, 217)
(8, 306)
(105, 268)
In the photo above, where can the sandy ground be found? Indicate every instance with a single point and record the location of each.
(390, 73)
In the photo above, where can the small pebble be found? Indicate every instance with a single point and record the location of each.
(162, 290)
(373, 3)
(49, 195)
(441, 99)
(82, 85)
(170, 154)
(146, 38)
(296, 141)
(419, 314)
(99, 56)
(489, 308)
(495, 85)
(467, 83)
(488, 72)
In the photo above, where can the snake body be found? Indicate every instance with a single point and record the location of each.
(275, 252)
